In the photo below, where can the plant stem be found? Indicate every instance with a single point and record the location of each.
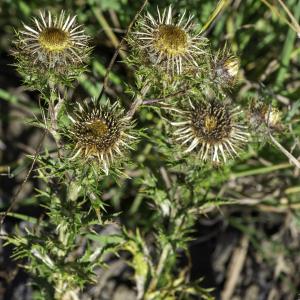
(291, 157)
(160, 267)
(14, 199)
(53, 114)
(113, 59)
(263, 170)
(138, 100)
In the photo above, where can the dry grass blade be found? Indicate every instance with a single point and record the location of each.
(235, 267)
(107, 29)
(216, 12)
(291, 157)
(292, 24)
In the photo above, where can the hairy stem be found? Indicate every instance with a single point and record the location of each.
(138, 100)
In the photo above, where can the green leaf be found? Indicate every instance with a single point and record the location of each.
(105, 239)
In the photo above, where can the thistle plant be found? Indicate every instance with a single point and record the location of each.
(156, 145)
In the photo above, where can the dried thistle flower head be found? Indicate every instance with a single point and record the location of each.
(264, 114)
(210, 129)
(101, 133)
(225, 68)
(53, 42)
(273, 117)
(168, 44)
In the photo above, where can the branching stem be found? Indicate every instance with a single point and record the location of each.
(291, 157)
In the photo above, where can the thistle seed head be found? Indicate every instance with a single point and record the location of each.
(171, 45)
(273, 117)
(53, 42)
(101, 133)
(264, 114)
(210, 129)
(231, 67)
(225, 68)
